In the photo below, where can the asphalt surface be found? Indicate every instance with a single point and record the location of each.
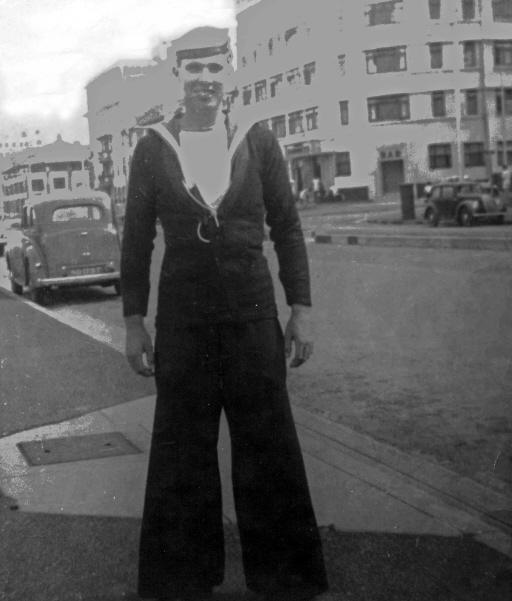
(413, 347)
(67, 558)
(50, 372)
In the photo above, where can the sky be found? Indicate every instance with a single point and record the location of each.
(50, 49)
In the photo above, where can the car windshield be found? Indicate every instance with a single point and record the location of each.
(77, 213)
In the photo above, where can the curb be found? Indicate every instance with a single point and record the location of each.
(462, 492)
(402, 240)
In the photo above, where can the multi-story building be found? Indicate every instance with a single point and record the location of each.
(368, 95)
(115, 100)
(15, 138)
(43, 171)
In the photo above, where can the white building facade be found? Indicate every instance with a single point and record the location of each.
(367, 96)
(116, 99)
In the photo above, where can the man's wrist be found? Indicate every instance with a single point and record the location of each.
(134, 321)
(300, 310)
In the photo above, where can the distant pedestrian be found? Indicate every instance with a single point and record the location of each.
(306, 197)
(505, 178)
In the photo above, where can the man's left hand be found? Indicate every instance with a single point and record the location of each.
(298, 332)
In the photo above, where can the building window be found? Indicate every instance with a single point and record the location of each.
(264, 123)
(440, 156)
(386, 60)
(59, 183)
(469, 50)
(438, 104)
(434, 9)
(246, 95)
(244, 61)
(344, 112)
(296, 122)
(274, 84)
(502, 11)
(23, 134)
(309, 73)
(436, 56)
(468, 9)
(255, 55)
(499, 148)
(507, 93)
(389, 108)
(502, 53)
(271, 46)
(279, 126)
(37, 131)
(343, 167)
(341, 64)
(260, 90)
(37, 185)
(289, 33)
(474, 154)
(293, 77)
(312, 118)
(471, 102)
(384, 13)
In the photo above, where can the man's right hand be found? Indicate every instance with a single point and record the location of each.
(139, 347)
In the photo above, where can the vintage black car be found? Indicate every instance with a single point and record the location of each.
(66, 239)
(466, 202)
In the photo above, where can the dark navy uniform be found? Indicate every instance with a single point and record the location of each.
(219, 346)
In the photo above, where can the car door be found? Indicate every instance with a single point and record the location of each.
(448, 202)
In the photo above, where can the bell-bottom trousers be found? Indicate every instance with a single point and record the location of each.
(241, 369)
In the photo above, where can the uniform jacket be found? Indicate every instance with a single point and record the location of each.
(213, 269)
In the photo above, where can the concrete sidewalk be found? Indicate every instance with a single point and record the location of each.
(393, 526)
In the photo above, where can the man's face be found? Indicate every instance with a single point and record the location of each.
(203, 79)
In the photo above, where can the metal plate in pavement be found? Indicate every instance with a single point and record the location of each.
(76, 448)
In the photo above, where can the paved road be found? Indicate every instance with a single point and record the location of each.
(413, 347)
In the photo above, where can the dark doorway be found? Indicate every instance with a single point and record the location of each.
(392, 176)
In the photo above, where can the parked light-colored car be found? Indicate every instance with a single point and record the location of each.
(64, 240)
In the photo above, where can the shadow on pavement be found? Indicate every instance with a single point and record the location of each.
(67, 558)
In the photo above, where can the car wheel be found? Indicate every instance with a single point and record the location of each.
(465, 218)
(117, 288)
(40, 296)
(15, 287)
(432, 217)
